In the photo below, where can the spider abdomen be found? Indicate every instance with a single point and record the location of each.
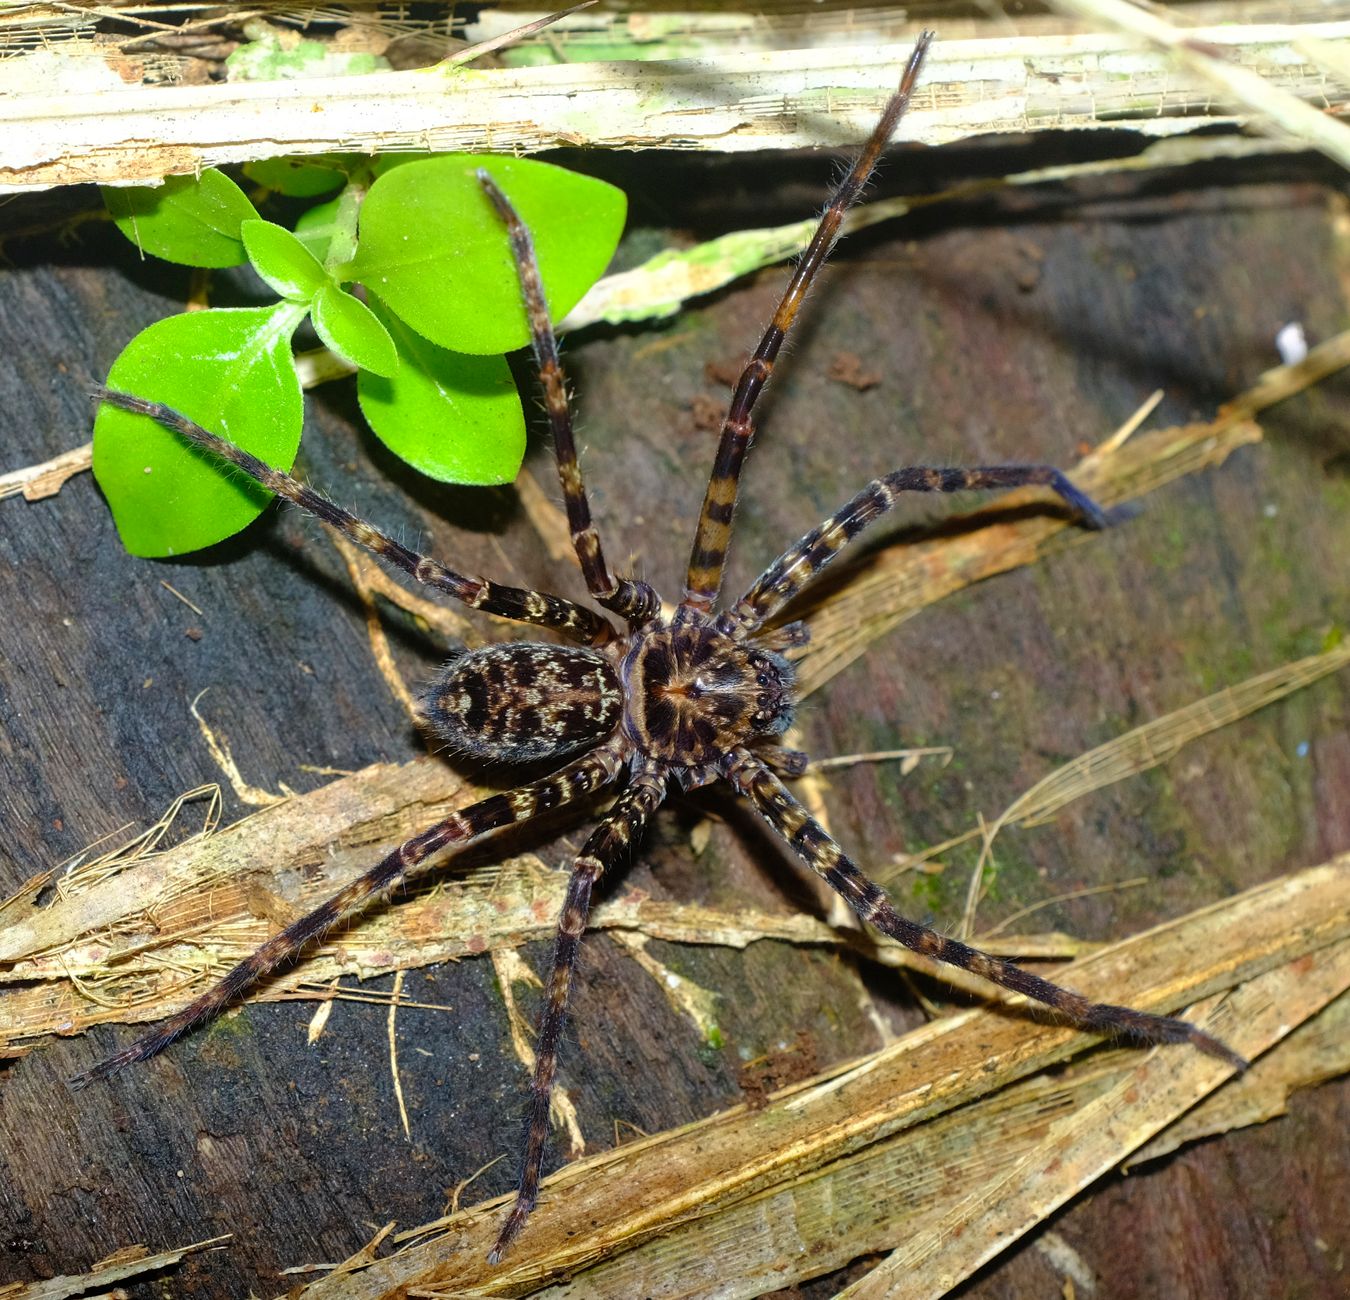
(523, 702)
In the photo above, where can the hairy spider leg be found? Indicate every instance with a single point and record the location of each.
(800, 563)
(703, 581)
(517, 603)
(593, 772)
(607, 843)
(634, 601)
(813, 845)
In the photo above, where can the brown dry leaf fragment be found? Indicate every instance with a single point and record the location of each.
(847, 368)
(707, 412)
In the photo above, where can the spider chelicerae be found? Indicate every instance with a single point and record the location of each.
(641, 702)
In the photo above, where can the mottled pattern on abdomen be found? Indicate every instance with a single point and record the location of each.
(524, 702)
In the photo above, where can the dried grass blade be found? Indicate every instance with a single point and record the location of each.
(1157, 741)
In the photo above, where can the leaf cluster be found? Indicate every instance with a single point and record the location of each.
(438, 305)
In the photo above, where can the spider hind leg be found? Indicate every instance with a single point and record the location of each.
(607, 844)
(814, 846)
(589, 773)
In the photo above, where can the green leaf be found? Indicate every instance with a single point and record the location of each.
(283, 261)
(231, 372)
(455, 417)
(192, 220)
(433, 248)
(316, 228)
(300, 178)
(349, 328)
(273, 58)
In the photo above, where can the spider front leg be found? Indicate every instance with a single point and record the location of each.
(621, 826)
(800, 563)
(593, 772)
(703, 580)
(810, 842)
(524, 606)
(634, 601)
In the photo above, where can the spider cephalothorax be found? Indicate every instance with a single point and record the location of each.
(695, 694)
(652, 703)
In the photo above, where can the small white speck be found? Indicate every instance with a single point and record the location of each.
(995, 695)
(1291, 343)
(672, 980)
(147, 469)
(1270, 510)
(1302, 750)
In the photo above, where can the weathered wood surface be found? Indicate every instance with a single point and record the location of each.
(1019, 331)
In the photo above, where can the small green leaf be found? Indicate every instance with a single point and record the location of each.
(300, 178)
(230, 371)
(349, 328)
(455, 417)
(433, 248)
(192, 220)
(316, 228)
(287, 266)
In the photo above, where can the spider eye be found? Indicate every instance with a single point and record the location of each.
(763, 679)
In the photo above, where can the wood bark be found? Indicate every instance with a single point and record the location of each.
(1024, 328)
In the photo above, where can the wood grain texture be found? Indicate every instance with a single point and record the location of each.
(1012, 331)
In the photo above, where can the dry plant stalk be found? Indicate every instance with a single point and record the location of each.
(1317, 1050)
(1136, 751)
(1274, 111)
(126, 1265)
(1156, 742)
(729, 103)
(949, 1242)
(36, 482)
(652, 1216)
